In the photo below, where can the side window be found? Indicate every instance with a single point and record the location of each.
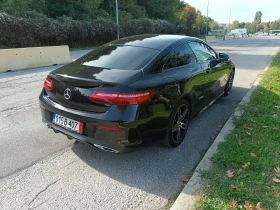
(181, 56)
(202, 51)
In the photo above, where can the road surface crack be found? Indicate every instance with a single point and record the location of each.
(42, 191)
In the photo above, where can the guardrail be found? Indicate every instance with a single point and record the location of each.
(33, 57)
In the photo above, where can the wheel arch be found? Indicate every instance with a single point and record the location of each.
(189, 100)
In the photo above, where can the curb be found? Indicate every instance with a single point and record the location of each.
(187, 197)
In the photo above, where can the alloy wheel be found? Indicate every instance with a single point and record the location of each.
(180, 123)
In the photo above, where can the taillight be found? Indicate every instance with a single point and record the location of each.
(118, 98)
(48, 84)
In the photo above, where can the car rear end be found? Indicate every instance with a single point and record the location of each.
(94, 104)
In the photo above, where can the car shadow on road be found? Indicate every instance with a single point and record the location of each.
(156, 169)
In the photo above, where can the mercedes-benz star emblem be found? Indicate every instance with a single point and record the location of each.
(67, 93)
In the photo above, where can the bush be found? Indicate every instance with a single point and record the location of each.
(35, 29)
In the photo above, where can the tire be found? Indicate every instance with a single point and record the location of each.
(177, 128)
(229, 84)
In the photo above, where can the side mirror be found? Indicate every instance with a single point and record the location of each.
(223, 57)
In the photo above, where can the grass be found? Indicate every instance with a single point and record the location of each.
(256, 139)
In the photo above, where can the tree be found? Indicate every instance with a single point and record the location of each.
(258, 17)
(200, 22)
(189, 19)
(214, 25)
(248, 26)
(261, 26)
(242, 25)
(234, 25)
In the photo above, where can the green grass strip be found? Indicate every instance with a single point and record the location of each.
(256, 139)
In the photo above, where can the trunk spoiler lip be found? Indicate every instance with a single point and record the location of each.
(81, 79)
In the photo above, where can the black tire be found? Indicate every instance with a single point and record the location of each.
(229, 84)
(177, 128)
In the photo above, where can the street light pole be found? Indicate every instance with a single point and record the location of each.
(117, 17)
(207, 19)
(229, 18)
(229, 15)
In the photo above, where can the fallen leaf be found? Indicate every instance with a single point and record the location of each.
(246, 165)
(265, 126)
(253, 154)
(249, 134)
(184, 179)
(234, 187)
(239, 142)
(232, 202)
(258, 207)
(276, 180)
(245, 125)
(277, 195)
(270, 88)
(277, 171)
(238, 171)
(230, 174)
(248, 206)
(212, 137)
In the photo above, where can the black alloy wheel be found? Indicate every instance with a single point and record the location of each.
(178, 125)
(229, 84)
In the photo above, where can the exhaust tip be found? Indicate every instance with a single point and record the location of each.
(107, 149)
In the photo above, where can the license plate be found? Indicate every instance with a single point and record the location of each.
(67, 123)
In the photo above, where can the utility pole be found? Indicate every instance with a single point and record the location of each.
(229, 18)
(117, 17)
(207, 19)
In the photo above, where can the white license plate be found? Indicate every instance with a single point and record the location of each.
(67, 123)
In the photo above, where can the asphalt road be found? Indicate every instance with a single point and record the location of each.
(43, 170)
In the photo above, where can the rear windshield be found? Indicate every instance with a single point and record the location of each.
(119, 57)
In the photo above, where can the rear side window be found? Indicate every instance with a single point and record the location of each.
(119, 57)
(202, 51)
(181, 56)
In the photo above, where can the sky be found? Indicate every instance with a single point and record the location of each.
(242, 10)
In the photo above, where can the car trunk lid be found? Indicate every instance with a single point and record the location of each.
(74, 84)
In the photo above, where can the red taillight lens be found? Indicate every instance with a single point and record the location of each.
(118, 98)
(48, 84)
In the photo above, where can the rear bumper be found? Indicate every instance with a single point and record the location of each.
(131, 136)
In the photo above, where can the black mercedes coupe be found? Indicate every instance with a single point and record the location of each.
(136, 89)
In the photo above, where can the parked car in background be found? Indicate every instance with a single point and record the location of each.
(274, 32)
(135, 89)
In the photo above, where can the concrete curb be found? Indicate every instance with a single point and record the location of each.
(186, 199)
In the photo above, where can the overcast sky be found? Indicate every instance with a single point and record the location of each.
(242, 10)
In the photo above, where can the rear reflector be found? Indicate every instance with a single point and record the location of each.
(81, 127)
(108, 128)
(48, 84)
(118, 98)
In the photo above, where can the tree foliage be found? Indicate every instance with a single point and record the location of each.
(258, 17)
(214, 25)
(61, 18)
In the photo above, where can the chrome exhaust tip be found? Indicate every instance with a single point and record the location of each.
(107, 149)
